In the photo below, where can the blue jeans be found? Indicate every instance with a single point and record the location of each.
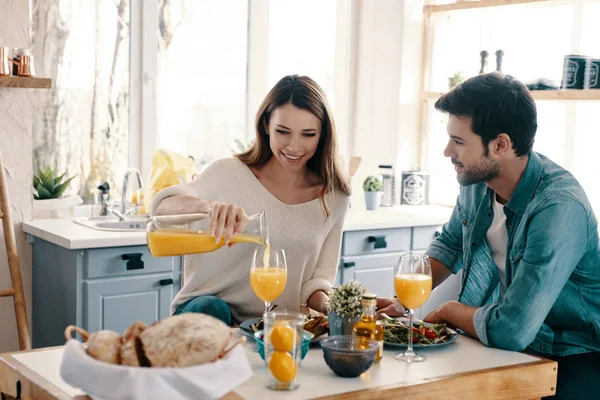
(210, 305)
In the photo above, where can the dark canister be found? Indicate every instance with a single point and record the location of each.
(573, 72)
(415, 188)
(592, 74)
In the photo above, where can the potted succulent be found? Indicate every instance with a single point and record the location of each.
(344, 307)
(372, 187)
(48, 188)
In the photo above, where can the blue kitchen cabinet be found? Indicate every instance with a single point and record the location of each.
(115, 303)
(101, 288)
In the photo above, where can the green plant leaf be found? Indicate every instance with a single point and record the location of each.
(58, 191)
(43, 194)
(40, 174)
(58, 179)
(36, 181)
(47, 179)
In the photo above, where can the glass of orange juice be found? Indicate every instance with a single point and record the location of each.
(268, 274)
(413, 286)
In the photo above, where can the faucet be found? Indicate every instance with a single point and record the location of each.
(122, 213)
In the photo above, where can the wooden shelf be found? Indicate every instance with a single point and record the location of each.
(467, 5)
(23, 82)
(560, 95)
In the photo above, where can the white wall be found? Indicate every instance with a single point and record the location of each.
(15, 144)
(384, 122)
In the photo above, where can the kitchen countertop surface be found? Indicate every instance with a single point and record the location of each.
(464, 369)
(70, 235)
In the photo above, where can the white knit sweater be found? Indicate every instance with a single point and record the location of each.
(310, 239)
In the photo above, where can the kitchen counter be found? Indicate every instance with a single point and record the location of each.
(68, 234)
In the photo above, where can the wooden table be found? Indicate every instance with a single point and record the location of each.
(463, 370)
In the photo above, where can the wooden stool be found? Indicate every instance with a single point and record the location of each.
(13, 264)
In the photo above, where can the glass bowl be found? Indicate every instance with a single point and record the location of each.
(349, 356)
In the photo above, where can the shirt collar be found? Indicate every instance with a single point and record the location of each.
(527, 185)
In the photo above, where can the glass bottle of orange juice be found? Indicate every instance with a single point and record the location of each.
(368, 326)
(176, 235)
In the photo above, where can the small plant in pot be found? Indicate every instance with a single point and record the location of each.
(372, 187)
(48, 187)
(344, 307)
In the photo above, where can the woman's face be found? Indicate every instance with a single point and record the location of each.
(294, 136)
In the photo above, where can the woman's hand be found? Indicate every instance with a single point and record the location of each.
(318, 301)
(226, 220)
(390, 307)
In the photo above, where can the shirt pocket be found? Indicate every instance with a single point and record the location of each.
(516, 253)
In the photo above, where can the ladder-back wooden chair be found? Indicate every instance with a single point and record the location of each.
(16, 291)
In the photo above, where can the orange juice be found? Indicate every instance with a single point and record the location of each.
(179, 242)
(412, 289)
(268, 283)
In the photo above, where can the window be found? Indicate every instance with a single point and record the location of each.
(82, 126)
(120, 94)
(305, 44)
(535, 38)
(201, 93)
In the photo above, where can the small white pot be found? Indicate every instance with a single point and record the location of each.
(372, 200)
(56, 208)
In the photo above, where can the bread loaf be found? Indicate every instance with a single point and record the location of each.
(185, 340)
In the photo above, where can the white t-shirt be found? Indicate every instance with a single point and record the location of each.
(497, 238)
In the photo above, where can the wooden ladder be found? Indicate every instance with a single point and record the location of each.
(16, 292)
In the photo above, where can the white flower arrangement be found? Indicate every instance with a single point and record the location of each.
(346, 300)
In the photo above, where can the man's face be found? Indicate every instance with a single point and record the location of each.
(471, 161)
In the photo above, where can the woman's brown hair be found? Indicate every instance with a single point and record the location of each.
(306, 94)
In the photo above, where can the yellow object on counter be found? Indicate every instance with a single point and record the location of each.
(168, 169)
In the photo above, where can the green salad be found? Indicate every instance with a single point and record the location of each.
(397, 332)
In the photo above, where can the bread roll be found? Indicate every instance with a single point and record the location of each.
(105, 346)
(131, 349)
(184, 340)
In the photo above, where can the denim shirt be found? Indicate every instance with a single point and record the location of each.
(552, 300)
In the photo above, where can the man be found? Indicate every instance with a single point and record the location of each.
(524, 234)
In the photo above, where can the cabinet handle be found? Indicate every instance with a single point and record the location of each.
(134, 261)
(165, 282)
(349, 264)
(379, 241)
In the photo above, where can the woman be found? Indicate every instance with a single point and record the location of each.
(292, 172)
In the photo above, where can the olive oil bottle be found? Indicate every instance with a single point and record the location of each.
(368, 326)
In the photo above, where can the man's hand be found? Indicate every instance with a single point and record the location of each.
(391, 307)
(456, 315)
(435, 316)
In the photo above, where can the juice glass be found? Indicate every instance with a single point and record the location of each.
(268, 274)
(413, 286)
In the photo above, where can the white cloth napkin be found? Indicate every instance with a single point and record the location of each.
(118, 382)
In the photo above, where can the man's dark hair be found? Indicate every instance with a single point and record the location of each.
(496, 104)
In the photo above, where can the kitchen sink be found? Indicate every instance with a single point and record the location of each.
(131, 224)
